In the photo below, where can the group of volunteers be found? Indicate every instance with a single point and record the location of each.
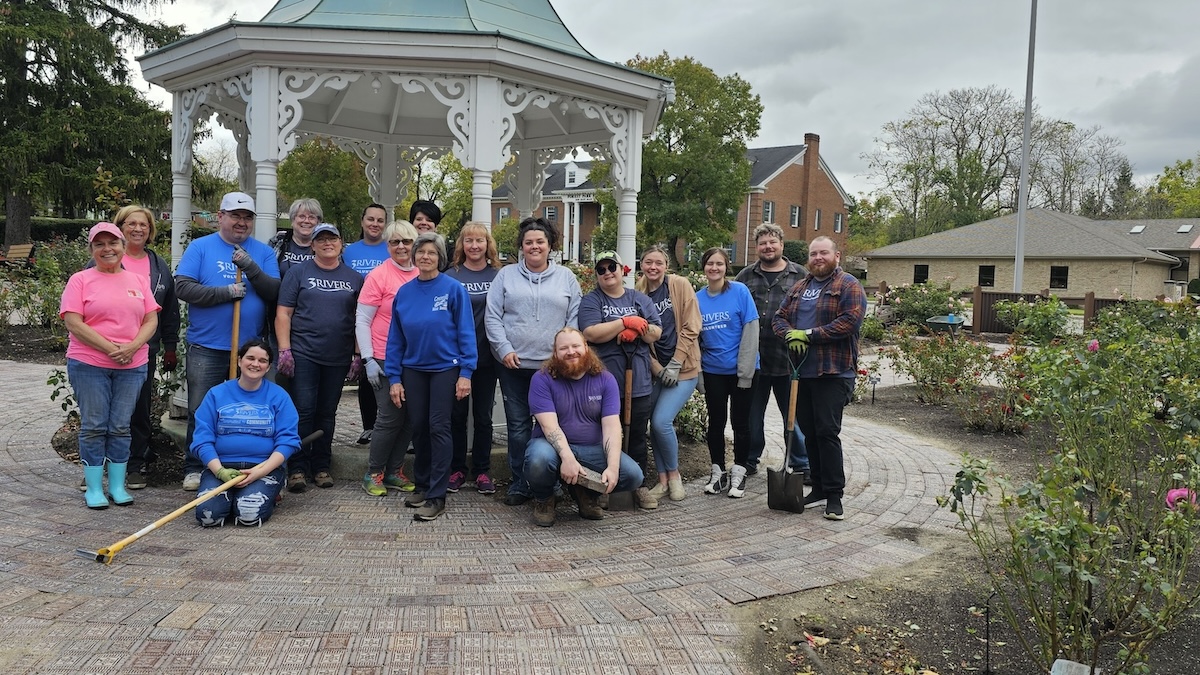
(275, 329)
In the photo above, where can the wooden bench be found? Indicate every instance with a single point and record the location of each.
(18, 254)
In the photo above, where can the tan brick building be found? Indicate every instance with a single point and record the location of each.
(1066, 254)
(790, 186)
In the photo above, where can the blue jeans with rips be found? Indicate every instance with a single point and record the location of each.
(106, 397)
(251, 505)
(542, 464)
(667, 402)
(514, 385)
(316, 391)
(205, 369)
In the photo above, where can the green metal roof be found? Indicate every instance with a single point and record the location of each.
(533, 21)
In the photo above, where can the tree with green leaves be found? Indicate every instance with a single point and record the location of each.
(67, 111)
(334, 177)
(1176, 191)
(448, 183)
(694, 169)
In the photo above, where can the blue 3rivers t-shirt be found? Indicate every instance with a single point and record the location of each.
(209, 260)
(722, 317)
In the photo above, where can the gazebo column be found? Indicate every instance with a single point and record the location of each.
(186, 106)
(266, 199)
(262, 112)
(627, 228)
(481, 197)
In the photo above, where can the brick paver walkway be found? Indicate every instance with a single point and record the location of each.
(341, 582)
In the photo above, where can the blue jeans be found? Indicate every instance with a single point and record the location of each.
(667, 402)
(316, 391)
(430, 398)
(542, 464)
(781, 385)
(205, 369)
(514, 385)
(254, 503)
(106, 397)
(483, 396)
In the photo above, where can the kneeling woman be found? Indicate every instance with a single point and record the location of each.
(245, 426)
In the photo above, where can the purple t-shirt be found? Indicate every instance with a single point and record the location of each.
(580, 404)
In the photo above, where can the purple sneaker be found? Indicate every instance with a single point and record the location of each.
(456, 481)
(484, 484)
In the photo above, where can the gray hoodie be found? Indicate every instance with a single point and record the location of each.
(525, 309)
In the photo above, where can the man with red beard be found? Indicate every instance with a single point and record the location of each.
(577, 405)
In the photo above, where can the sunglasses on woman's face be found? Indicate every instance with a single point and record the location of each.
(605, 268)
(398, 242)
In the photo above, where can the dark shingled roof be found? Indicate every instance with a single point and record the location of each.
(765, 162)
(1048, 234)
(1159, 235)
(556, 180)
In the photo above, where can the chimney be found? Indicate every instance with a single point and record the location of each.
(812, 154)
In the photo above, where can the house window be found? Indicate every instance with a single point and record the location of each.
(1058, 276)
(571, 178)
(920, 274)
(768, 212)
(987, 276)
(502, 213)
(551, 213)
(837, 222)
(817, 220)
(794, 218)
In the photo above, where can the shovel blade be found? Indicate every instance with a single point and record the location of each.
(785, 491)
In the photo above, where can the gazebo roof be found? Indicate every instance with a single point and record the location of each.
(533, 21)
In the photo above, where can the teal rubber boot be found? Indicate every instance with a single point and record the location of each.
(93, 476)
(116, 484)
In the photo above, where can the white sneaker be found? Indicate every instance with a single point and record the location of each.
(737, 481)
(718, 481)
(191, 481)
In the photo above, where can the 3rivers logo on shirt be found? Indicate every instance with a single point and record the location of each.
(330, 285)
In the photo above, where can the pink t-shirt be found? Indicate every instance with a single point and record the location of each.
(139, 266)
(378, 291)
(114, 305)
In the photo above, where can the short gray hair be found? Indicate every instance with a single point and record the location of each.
(768, 228)
(439, 245)
(306, 204)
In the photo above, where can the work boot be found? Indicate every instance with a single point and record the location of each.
(543, 512)
(645, 499)
(587, 501)
(116, 484)
(93, 476)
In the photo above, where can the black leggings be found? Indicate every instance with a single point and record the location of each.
(723, 399)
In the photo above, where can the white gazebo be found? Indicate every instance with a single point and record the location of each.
(504, 86)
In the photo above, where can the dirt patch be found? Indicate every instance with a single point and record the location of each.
(32, 344)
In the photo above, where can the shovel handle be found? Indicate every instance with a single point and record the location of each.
(237, 320)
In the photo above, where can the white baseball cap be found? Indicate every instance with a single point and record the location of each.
(237, 201)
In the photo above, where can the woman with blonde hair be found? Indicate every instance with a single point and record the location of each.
(476, 263)
(675, 363)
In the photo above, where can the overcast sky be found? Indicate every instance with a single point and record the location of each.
(842, 69)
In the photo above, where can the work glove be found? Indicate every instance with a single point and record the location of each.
(700, 383)
(170, 360)
(636, 323)
(375, 373)
(237, 291)
(356, 366)
(287, 364)
(627, 335)
(243, 260)
(226, 475)
(797, 341)
(669, 376)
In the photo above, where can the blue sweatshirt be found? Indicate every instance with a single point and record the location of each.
(245, 426)
(432, 329)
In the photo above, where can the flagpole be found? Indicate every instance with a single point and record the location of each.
(1023, 187)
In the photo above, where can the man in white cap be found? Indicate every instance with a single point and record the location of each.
(207, 279)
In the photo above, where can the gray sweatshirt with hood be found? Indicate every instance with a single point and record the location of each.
(525, 309)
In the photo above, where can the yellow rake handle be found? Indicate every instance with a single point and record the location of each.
(106, 554)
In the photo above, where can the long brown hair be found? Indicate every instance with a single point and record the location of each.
(716, 250)
(472, 227)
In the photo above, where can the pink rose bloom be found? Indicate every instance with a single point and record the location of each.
(1093, 346)
(1179, 494)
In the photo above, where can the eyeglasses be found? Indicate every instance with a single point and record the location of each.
(606, 268)
(397, 242)
(238, 218)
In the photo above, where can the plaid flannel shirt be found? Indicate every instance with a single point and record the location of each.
(772, 351)
(840, 310)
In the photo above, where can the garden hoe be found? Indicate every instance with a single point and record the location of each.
(105, 555)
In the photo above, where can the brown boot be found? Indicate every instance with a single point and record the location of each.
(588, 503)
(543, 512)
(645, 499)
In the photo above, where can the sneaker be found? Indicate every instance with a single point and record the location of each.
(372, 484)
(398, 481)
(737, 481)
(296, 483)
(675, 491)
(718, 481)
(588, 503)
(515, 499)
(484, 484)
(192, 481)
(644, 499)
(365, 437)
(432, 508)
(659, 491)
(323, 479)
(543, 512)
(415, 499)
(456, 481)
(833, 509)
(135, 480)
(814, 497)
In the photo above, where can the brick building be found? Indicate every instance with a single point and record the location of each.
(790, 186)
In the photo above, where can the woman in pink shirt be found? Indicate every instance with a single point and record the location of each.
(393, 429)
(111, 314)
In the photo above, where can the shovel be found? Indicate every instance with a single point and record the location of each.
(237, 320)
(105, 555)
(785, 489)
